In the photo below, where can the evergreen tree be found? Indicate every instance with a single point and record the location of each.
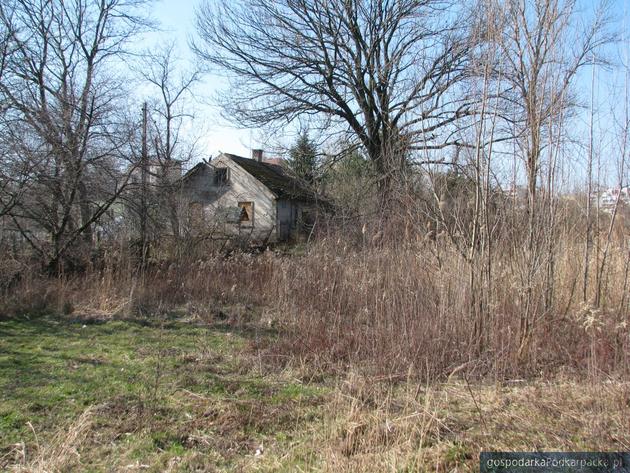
(303, 158)
(349, 181)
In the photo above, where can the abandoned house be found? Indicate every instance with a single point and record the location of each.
(248, 198)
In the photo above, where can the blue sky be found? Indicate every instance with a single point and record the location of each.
(216, 134)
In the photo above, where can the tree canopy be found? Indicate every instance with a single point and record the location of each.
(383, 70)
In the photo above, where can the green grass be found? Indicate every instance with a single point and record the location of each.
(175, 395)
(162, 390)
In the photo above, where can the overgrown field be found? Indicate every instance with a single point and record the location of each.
(88, 395)
(193, 391)
(332, 358)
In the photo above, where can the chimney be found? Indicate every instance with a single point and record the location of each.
(257, 155)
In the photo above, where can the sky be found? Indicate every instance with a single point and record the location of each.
(216, 134)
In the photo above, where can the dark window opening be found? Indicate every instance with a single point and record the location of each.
(247, 211)
(220, 176)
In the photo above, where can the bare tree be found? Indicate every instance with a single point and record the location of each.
(589, 191)
(387, 71)
(622, 121)
(170, 113)
(13, 174)
(61, 100)
(543, 49)
(543, 52)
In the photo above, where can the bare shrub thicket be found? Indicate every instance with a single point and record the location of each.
(389, 308)
(456, 275)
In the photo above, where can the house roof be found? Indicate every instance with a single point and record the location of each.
(275, 179)
(193, 170)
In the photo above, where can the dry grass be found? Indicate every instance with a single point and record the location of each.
(61, 453)
(375, 427)
(386, 330)
(443, 428)
(389, 309)
(386, 309)
(223, 404)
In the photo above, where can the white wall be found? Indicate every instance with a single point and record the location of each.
(241, 187)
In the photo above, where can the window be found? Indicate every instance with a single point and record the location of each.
(220, 176)
(247, 212)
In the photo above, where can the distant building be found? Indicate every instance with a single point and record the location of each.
(252, 198)
(275, 161)
(158, 172)
(516, 192)
(609, 197)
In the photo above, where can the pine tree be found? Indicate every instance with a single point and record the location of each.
(303, 158)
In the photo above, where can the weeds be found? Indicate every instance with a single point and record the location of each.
(382, 309)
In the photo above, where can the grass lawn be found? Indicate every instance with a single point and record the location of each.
(123, 395)
(187, 395)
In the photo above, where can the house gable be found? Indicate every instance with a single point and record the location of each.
(245, 197)
(233, 202)
(240, 181)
